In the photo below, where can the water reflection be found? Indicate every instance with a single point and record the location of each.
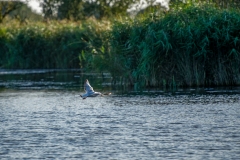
(51, 79)
(60, 79)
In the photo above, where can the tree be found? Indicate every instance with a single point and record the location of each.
(49, 8)
(6, 7)
(107, 8)
(74, 9)
(81, 9)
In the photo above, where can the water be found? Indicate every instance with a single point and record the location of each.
(50, 79)
(55, 123)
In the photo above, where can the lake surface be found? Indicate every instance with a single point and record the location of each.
(45, 118)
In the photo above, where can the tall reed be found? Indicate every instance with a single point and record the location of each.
(194, 46)
(197, 46)
(58, 44)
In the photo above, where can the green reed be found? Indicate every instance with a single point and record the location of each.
(197, 46)
(49, 45)
(194, 46)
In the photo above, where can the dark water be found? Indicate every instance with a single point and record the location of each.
(51, 79)
(43, 120)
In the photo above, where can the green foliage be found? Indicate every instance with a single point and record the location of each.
(180, 4)
(197, 45)
(24, 14)
(7, 7)
(55, 45)
(194, 46)
(81, 9)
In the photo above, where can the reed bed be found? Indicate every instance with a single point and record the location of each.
(57, 44)
(194, 46)
(197, 46)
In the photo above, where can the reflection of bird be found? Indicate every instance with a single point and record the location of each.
(90, 92)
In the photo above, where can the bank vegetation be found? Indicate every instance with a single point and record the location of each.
(197, 45)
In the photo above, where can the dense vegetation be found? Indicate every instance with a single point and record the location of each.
(192, 46)
(54, 45)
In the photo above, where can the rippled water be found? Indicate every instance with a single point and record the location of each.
(53, 124)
